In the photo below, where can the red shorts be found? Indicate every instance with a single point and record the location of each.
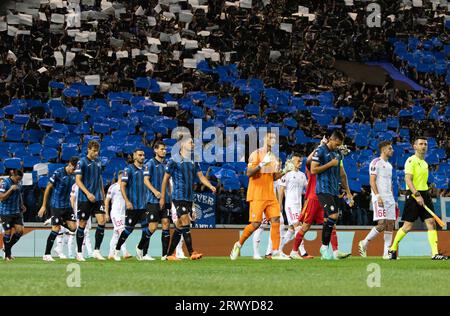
(312, 212)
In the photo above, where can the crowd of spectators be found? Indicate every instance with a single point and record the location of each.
(273, 40)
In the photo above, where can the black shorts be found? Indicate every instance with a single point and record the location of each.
(330, 203)
(413, 210)
(9, 221)
(88, 209)
(183, 208)
(61, 215)
(155, 213)
(132, 217)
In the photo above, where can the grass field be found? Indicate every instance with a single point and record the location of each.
(220, 276)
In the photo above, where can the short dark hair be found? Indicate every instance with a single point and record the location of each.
(138, 149)
(383, 144)
(74, 160)
(420, 137)
(17, 173)
(338, 134)
(93, 144)
(158, 143)
(296, 154)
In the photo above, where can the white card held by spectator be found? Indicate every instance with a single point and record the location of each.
(42, 70)
(190, 63)
(185, 16)
(57, 18)
(92, 80)
(247, 4)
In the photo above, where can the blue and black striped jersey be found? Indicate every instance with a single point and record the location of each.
(328, 181)
(183, 174)
(155, 171)
(91, 172)
(12, 205)
(136, 190)
(62, 186)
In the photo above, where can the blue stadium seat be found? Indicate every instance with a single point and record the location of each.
(49, 153)
(13, 163)
(53, 166)
(33, 136)
(361, 140)
(42, 182)
(101, 128)
(13, 135)
(2, 167)
(21, 119)
(68, 152)
(30, 161)
(35, 149)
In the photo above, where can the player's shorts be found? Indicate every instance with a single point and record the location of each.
(312, 212)
(293, 213)
(330, 203)
(183, 208)
(155, 213)
(9, 221)
(386, 212)
(413, 210)
(61, 215)
(132, 217)
(88, 209)
(270, 208)
(118, 220)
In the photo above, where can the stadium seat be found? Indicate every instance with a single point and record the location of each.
(49, 153)
(21, 119)
(30, 161)
(42, 182)
(13, 135)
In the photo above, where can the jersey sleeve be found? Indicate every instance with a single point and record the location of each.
(4, 186)
(373, 169)
(318, 155)
(197, 168)
(55, 177)
(109, 194)
(126, 174)
(253, 160)
(148, 169)
(171, 166)
(79, 170)
(283, 180)
(409, 166)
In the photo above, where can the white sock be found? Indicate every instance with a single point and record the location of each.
(269, 245)
(335, 253)
(371, 235)
(70, 245)
(387, 242)
(288, 236)
(179, 249)
(59, 245)
(87, 242)
(124, 249)
(113, 242)
(302, 248)
(257, 240)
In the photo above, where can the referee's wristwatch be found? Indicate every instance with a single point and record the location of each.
(417, 194)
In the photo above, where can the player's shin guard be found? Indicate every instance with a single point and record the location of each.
(50, 241)
(80, 239)
(387, 242)
(287, 238)
(298, 240)
(7, 245)
(123, 237)
(15, 238)
(99, 233)
(165, 240)
(334, 240)
(145, 240)
(398, 237)
(433, 241)
(275, 236)
(257, 240)
(327, 231)
(248, 230)
(175, 240)
(186, 231)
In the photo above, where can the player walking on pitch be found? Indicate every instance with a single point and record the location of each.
(383, 201)
(416, 178)
(183, 170)
(90, 198)
(61, 183)
(262, 170)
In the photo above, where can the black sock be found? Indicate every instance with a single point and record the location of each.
(145, 240)
(80, 239)
(99, 233)
(175, 240)
(50, 241)
(15, 238)
(327, 230)
(165, 240)
(123, 237)
(7, 245)
(186, 231)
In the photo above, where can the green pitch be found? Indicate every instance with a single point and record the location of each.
(221, 276)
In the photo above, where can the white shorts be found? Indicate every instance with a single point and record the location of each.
(118, 221)
(293, 213)
(387, 212)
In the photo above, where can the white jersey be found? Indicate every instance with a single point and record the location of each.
(383, 170)
(117, 201)
(295, 183)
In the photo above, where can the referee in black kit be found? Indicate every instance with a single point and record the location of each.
(416, 178)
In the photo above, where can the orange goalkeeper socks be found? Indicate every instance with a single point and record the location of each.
(248, 230)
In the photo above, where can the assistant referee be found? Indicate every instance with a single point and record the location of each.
(416, 178)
